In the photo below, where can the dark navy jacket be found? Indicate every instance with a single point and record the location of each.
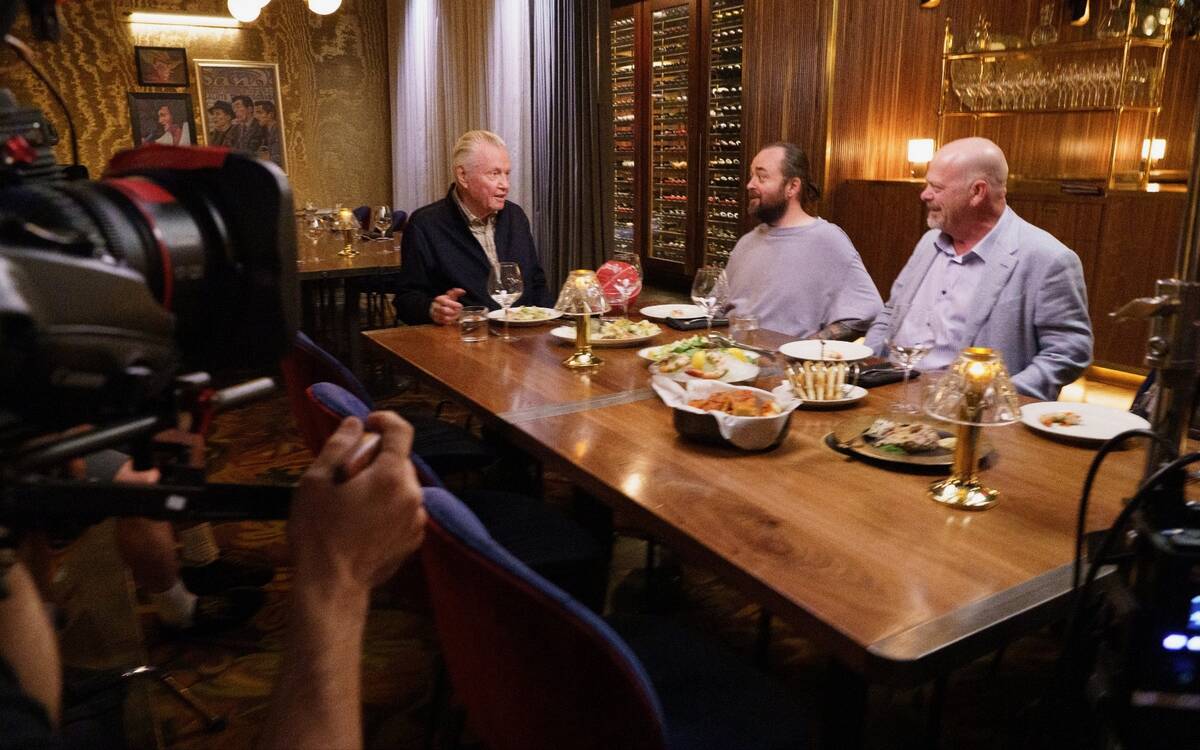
(438, 252)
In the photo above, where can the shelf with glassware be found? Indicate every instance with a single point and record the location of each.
(1110, 87)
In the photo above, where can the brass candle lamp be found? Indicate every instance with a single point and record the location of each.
(345, 223)
(581, 298)
(976, 392)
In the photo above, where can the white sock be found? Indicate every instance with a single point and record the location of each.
(176, 605)
(199, 545)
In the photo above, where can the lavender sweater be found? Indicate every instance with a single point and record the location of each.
(798, 280)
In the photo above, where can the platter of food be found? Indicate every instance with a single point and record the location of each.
(662, 312)
(1091, 423)
(707, 364)
(914, 441)
(526, 315)
(690, 345)
(827, 351)
(617, 332)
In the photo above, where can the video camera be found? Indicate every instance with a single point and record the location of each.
(117, 296)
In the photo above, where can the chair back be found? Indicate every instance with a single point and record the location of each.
(534, 668)
(362, 214)
(305, 365)
(399, 218)
(327, 404)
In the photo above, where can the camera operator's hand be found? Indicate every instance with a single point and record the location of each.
(445, 308)
(360, 531)
(345, 539)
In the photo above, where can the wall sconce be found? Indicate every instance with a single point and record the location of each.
(182, 19)
(920, 153)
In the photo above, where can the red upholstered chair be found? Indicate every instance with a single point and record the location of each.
(535, 670)
(538, 535)
(446, 447)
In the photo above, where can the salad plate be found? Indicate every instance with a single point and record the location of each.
(816, 349)
(526, 315)
(1091, 423)
(689, 345)
(706, 364)
(662, 312)
(620, 332)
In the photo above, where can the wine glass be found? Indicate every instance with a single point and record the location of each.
(314, 230)
(907, 344)
(710, 291)
(381, 220)
(628, 284)
(506, 286)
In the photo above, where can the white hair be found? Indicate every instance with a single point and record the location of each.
(469, 142)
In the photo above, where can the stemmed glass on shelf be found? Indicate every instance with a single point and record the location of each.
(710, 292)
(628, 285)
(906, 347)
(505, 285)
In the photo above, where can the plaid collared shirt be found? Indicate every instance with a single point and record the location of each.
(484, 230)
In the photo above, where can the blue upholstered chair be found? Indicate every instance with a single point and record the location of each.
(363, 215)
(542, 538)
(446, 447)
(535, 670)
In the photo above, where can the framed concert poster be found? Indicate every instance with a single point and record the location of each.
(240, 107)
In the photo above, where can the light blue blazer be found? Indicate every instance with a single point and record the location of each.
(1032, 307)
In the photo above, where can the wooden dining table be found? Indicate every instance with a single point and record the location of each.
(900, 589)
(322, 273)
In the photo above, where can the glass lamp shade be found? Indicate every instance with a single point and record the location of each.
(582, 295)
(245, 10)
(976, 390)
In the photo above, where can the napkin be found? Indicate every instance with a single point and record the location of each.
(877, 375)
(747, 433)
(691, 324)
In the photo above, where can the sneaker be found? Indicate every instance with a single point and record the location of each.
(224, 611)
(230, 570)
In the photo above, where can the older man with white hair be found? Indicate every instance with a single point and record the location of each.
(450, 246)
(983, 276)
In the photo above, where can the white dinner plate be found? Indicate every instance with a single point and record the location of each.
(815, 349)
(567, 333)
(1098, 423)
(551, 314)
(851, 394)
(662, 312)
(738, 372)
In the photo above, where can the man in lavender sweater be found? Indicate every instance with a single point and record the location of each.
(797, 273)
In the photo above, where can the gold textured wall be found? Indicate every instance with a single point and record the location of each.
(333, 74)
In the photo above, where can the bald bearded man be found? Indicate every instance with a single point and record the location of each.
(983, 276)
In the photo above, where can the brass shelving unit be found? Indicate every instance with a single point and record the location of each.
(1132, 88)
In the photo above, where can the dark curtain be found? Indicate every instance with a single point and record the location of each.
(568, 195)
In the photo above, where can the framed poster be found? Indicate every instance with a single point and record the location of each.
(162, 118)
(161, 66)
(240, 107)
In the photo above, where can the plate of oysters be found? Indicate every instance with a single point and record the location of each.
(913, 440)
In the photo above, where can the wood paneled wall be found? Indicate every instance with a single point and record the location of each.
(783, 71)
(333, 75)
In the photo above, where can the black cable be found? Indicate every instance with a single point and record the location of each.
(26, 54)
(1109, 445)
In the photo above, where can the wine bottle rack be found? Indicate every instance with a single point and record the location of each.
(669, 35)
(624, 122)
(723, 163)
(677, 156)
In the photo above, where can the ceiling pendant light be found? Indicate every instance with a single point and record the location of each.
(324, 7)
(244, 10)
